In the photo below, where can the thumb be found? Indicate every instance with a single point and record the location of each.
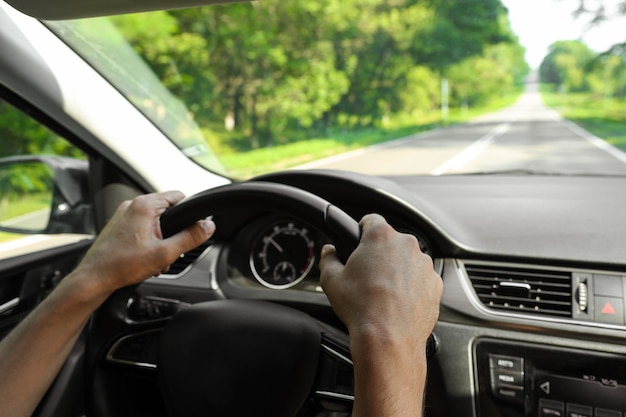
(330, 265)
(193, 236)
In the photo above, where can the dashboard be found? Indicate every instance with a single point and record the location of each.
(532, 320)
(282, 252)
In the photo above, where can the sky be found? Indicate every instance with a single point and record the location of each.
(539, 23)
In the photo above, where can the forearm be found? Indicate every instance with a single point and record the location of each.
(390, 375)
(32, 354)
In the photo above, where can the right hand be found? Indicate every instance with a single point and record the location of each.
(387, 288)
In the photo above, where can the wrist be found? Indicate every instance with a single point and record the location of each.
(390, 372)
(82, 288)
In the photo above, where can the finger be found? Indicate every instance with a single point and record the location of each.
(330, 265)
(328, 253)
(172, 197)
(167, 199)
(371, 219)
(374, 231)
(192, 237)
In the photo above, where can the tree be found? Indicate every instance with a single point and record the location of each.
(22, 135)
(263, 70)
(566, 65)
(497, 72)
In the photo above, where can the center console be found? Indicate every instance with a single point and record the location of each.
(526, 380)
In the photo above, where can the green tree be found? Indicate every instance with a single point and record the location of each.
(22, 135)
(566, 65)
(264, 70)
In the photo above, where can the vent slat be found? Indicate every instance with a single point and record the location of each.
(186, 259)
(523, 290)
(518, 300)
(565, 293)
(533, 283)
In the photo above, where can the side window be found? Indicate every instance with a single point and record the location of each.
(43, 186)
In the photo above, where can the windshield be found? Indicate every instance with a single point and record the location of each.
(384, 87)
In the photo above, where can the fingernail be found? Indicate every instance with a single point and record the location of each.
(208, 225)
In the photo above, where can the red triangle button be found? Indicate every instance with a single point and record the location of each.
(608, 309)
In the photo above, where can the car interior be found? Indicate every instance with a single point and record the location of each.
(532, 319)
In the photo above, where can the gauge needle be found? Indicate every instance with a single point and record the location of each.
(276, 245)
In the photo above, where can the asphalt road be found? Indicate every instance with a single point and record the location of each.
(35, 220)
(524, 136)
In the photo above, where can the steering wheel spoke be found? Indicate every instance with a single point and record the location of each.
(334, 386)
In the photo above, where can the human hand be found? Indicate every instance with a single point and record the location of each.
(387, 288)
(131, 247)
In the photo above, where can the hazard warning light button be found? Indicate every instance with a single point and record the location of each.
(609, 310)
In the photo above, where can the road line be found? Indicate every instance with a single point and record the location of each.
(594, 140)
(461, 159)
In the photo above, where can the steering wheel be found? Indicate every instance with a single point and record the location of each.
(243, 358)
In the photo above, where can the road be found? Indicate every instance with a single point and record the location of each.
(35, 220)
(524, 136)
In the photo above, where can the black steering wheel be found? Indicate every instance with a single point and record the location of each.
(244, 358)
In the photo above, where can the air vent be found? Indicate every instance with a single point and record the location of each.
(186, 259)
(523, 290)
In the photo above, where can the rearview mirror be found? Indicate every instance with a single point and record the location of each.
(44, 194)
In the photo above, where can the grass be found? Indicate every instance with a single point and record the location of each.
(24, 204)
(17, 207)
(6, 237)
(247, 164)
(605, 118)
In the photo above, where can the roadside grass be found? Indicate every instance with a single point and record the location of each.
(6, 237)
(24, 204)
(19, 206)
(259, 161)
(605, 118)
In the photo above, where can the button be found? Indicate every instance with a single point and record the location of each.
(609, 310)
(575, 410)
(608, 285)
(506, 363)
(512, 394)
(600, 412)
(549, 408)
(499, 377)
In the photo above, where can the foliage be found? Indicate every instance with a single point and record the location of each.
(272, 73)
(566, 65)
(267, 73)
(243, 165)
(571, 67)
(22, 135)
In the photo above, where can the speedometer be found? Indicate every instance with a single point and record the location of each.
(283, 255)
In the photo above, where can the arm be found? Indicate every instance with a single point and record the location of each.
(388, 296)
(129, 250)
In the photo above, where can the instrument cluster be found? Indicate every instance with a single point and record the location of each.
(282, 253)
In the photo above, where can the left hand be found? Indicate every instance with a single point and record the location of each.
(131, 247)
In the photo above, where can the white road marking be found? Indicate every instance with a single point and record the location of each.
(458, 161)
(594, 140)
